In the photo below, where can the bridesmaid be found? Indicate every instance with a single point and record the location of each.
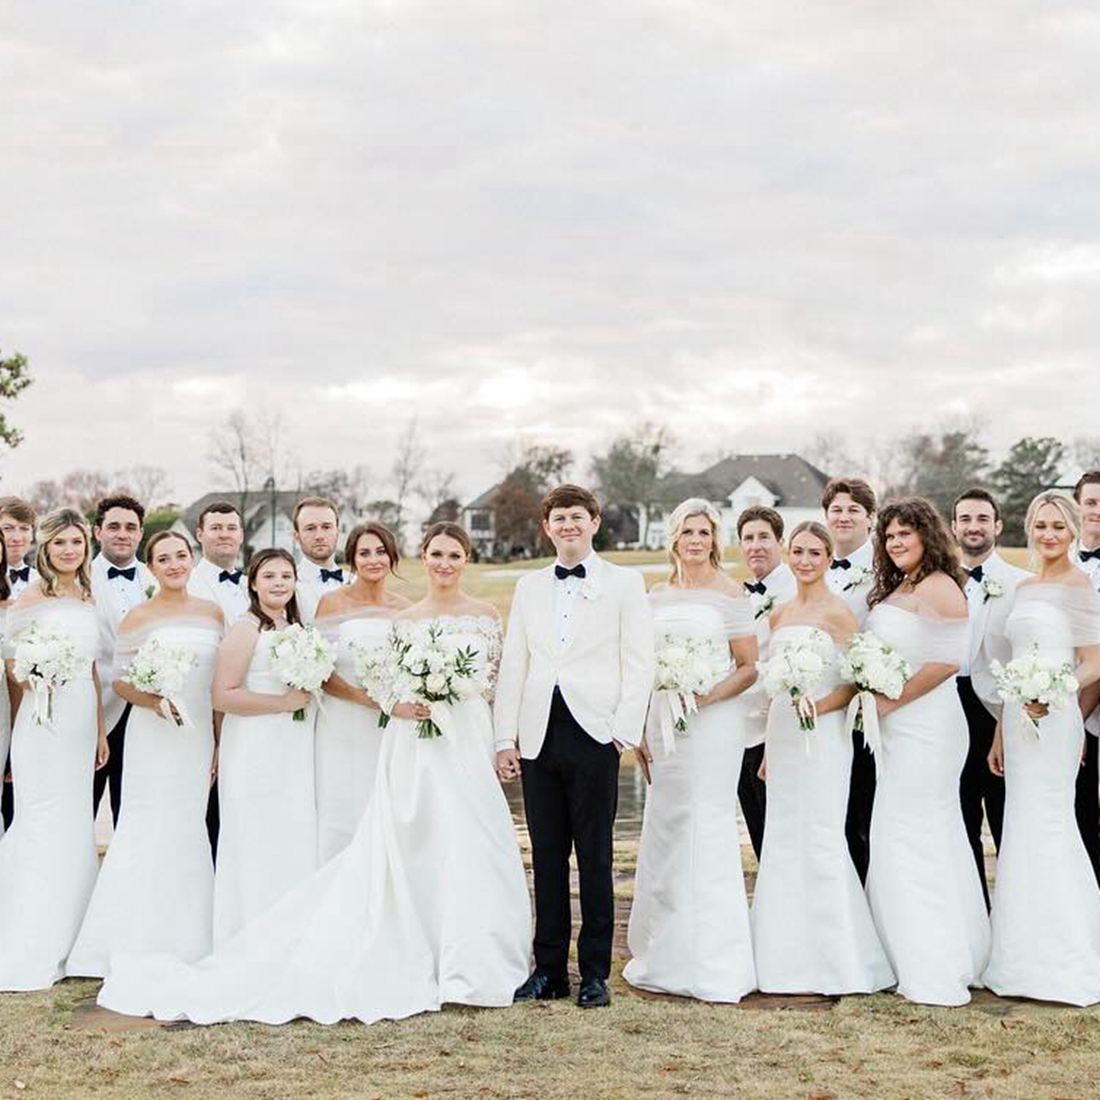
(5, 696)
(348, 736)
(155, 888)
(811, 925)
(265, 771)
(689, 925)
(48, 857)
(1046, 910)
(925, 894)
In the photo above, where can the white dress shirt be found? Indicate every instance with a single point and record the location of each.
(854, 587)
(565, 598)
(232, 598)
(311, 587)
(780, 583)
(1091, 568)
(17, 586)
(978, 607)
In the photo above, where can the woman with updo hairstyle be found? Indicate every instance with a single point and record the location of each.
(689, 924)
(1046, 908)
(358, 616)
(922, 882)
(812, 927)
(155, 889)
(48, 857)
(428, 904)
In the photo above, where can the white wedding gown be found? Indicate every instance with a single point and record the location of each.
(48, 857)
(155, 888)
(428, 904)
(689, 924)
(811, 925)
(268, 838)
(348, 737)
(1046, 909)
(5, 715)
(925, 894)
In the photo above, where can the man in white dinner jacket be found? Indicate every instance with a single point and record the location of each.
(976, 524)
(573, 690)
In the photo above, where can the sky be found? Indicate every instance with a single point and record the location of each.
(552, 221)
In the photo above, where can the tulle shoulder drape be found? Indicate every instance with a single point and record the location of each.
(678, 610)
(203, 629)
(329, 625)
(942, 640)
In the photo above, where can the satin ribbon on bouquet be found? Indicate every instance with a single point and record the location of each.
(443, 718)
(864, 705)
(806, 709)
(1029, 723)
(42, 694)
(673, 709)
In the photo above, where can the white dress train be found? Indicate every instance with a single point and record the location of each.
(811, 924)
(428, 904)
(155, 888)
(5, 716)
(689, 924)
(48, 857)
(922, 884)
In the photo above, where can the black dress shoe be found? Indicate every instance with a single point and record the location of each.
(594, 994)
(541, 987)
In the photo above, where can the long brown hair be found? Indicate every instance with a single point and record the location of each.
(940, 552)
(258, 561)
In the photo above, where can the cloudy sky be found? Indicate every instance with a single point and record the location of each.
(748, 221)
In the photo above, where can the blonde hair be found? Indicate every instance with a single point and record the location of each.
(674, 526)
(1067, 508)
(48, 529)
(818, 530)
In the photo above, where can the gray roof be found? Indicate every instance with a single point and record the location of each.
(258, 501)
(794, 481)
(486, 500)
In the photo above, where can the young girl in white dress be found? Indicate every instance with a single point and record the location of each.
(155, 888)
(48, 858)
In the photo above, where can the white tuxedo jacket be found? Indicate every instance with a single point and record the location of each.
(979, 607)
(605, 670)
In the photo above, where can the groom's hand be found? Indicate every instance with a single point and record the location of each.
(508, 765)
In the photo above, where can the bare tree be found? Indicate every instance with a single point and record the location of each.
(1086, 452)
(437, 489)
(236, 453)
(347, 488)
(829, 452)
(405, 474)
(148, 482)
(45, 496)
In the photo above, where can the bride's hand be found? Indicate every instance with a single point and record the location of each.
(413, 712)
(508, 766)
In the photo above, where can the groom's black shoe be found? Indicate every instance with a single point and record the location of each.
(594, 994)
(541, 987)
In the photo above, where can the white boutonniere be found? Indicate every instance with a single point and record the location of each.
(589, 591)
(991, 589)
(762, 605)
(857, 575)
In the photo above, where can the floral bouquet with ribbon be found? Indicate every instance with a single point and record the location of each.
(160, 669)
(45, 659)
(686, 667)
(795, 669)
(374, 673)
(302, 659)
(876, 669)
(1034, 679)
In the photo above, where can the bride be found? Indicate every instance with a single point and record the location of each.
(428, 904)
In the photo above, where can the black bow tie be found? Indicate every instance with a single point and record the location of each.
(234, 576)
(23, 574)
(759, 588)
(113, 571)
(840, 563)
(332, 575)
(976, 573)
(1088, 555)
(577, 571)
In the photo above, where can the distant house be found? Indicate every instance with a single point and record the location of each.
(785, 482)
(478, 517)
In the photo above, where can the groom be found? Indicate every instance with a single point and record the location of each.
(574, 684)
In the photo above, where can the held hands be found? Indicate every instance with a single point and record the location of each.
(294, 699)
(414, 712)
(508, 765)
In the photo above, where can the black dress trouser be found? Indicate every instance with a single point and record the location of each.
(7, 795)
(570, 795)
(752, 792)
(1088, 802)
(980, 791)
(110, 775)
(861, 803)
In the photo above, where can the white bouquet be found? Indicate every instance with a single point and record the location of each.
(876, 669)
(302, 659)
(374, 673)
(686, 667)
(425, 665)
(1035, 679)
(162, 670)
(45, 659)
(795, 670)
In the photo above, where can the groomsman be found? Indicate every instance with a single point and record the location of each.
(316, 531)
(216, 575)
(850, 506)
(17, 520)
(575, 678)
(760, 533)
(1087, 494)
(119, 582)
(976, 525)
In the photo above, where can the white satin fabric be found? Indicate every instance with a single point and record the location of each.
(427, 905)
(811, 924)
(155, 888)
(48, 858)
(5, 713)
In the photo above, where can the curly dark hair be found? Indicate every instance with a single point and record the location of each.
(940, 552)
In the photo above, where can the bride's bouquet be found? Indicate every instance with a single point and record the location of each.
(1035, 679)
(795, 670)
(45, 659)
(686, 667)
(302, 659)
(160, 669)
(424, 665)
(374, 673)
(875, 668)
